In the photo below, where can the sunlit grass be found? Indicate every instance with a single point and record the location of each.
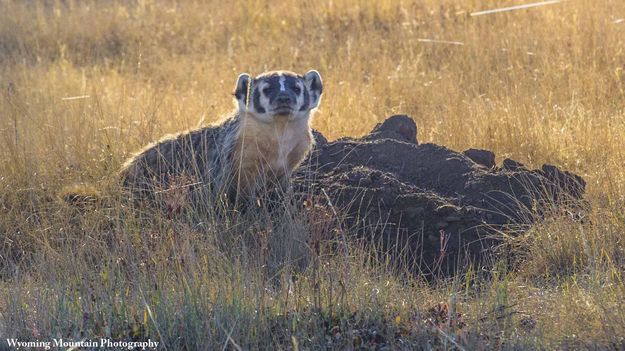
(85, 83)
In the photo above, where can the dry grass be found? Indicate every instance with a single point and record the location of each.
(84, 83)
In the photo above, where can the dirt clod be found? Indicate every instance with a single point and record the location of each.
(481, 157)
(398, 127)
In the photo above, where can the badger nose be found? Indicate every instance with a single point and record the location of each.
(283, 99)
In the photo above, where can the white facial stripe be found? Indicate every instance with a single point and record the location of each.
(282, 88)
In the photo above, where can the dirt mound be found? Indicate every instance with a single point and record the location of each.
(434, 205)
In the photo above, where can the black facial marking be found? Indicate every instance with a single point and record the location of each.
(273, 89)
(306, 101)
(267, 90)
(290, 81)
(315, 85)
(256, 101)
(241, 93)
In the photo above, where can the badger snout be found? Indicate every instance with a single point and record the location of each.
(284, 103)
(284, 100)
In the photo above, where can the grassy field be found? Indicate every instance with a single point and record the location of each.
(85, 83)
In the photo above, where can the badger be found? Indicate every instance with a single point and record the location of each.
(257, 146)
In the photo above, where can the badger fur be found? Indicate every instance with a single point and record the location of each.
(260, 144)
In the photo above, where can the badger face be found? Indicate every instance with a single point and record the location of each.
(279, 93)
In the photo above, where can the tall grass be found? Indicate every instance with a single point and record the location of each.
(85, 83)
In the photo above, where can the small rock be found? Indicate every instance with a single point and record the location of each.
(398, 127)
(564, 180)
(481, 157)
(512, 165)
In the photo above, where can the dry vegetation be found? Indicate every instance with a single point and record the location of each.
(84, 83)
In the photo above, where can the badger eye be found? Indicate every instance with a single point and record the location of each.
(267, 90)
(297, 90)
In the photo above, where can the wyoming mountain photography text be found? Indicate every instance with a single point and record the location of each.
(83, 344)
(312, 175)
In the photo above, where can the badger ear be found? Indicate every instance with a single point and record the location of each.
(240, 92)
(315, 87)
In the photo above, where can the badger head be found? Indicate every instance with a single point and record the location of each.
(279, 93)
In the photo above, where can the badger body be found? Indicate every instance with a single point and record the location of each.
(259, 145)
